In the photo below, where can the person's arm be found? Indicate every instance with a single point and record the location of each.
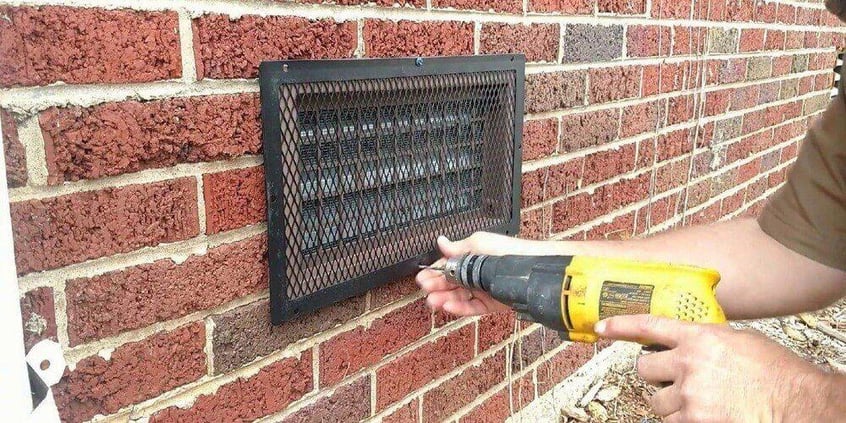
(760, 277)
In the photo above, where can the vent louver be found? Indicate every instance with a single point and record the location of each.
(367, 161)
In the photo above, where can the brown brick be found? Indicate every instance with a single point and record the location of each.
(539, 42)
(726, 71)
(413, 370)
(508, 6)
(584, 43)
(616, 83)
(788, 89)
(758, 68)
(555, 90)
(115, 138)
(58, 231)
(648, 41)
(495, 408)
(440, 402)
(672, 9)
(745, 97)
(141, 295)
(530, 347)
(566, 7)
(234, 48)
(236, 331)
(14, 152)
(39, 316)
(135, 372)
(589, 129)
(751, 39)
(348, 403)
(405, 414)
(622, 7)
(234, 198)
(722, 40)
(406, 38)
(268, 391)
(342, 355)
(540, 138)
(769, 92)
(495, 328)
(642, 118)
(41, 46)
(608, 163)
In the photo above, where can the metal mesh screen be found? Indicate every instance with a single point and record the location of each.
(371, 170)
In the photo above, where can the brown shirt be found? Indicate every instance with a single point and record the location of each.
(808, 213)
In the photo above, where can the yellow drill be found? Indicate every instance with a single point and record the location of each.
(571, 293)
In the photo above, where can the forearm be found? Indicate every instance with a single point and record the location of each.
(760, 277)
(819, 397)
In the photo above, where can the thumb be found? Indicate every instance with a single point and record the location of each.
(452, 249)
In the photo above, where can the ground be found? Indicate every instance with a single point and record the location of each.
(622, 397)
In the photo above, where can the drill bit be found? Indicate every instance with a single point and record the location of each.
(431, 267)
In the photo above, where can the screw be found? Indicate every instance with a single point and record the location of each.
(418, 62)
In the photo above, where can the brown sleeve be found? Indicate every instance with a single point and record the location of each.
(808, 213)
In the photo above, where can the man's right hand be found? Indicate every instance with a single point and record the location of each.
(442, 294)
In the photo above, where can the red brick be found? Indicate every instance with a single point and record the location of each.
(567, 7)
(348, 403)
(681, 109)
(41, 46)
(342, 356)
(574, 211)
(39, 316)
(539, 42)
(717, 102)
(411, 371)
(447, 398)
(698, 193)
(540, 138)
(775, 39)
(406, 38)
(748, 171)
(408, 413)
(645, 153)
(642, 118)
(794, 40)
(646, 41)
(141, 295)
(533, 183)
(495, 408)
(495, 328)
(751, 39)
(745, 97)
(234, 48)
(775, 179)
(441, 318)
(393, 291)
(235, 331)
(709, 214)
(688, 40)
(782, 65)
(651, 80)
(14, 152)
(609, 163)
(115, 138)
(589, 129)
(740, 10)
(615, 83)
(674, 144)
(673, 77)
(672, 9)
(806, 84)
(555, 90)
(622, 7)
(135, 372)
(508, 6)
(534, 224)
(275, 385)
(564, 178)
(58, 231)
(234, 198)
(807, 16)
(786, 14)
(812, 40)
(732, 203)
(726, 71)
(522, 391)
(765, 11)
(620, 228)
(561, 365)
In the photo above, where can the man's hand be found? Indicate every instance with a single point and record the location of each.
(445, 295)
(722, 374)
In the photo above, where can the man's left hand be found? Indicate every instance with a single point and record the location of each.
(718, 373)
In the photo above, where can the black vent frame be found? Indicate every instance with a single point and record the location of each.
(325, 128)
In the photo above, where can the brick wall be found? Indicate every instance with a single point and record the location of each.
(131, 132)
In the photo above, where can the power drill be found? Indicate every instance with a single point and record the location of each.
(571, 293)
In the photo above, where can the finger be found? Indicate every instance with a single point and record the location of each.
(659, 367)
(676, 417)
(436, 300)
(666, 401)
(436, 284)
(453, 249)
(645, 328)
(465, 308)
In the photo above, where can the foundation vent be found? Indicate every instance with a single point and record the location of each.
(368, 161)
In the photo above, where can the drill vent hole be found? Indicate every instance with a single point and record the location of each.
(45, 364)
